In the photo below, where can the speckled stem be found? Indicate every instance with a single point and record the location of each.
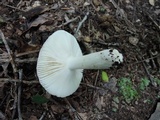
(99, 60)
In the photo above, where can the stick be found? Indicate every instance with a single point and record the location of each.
(19, 95)
(14, 95)
(43, 115)
(73, 110)
(26, 53)
(148, 74)
(17, 60)
(18, 81)
(12, 7)
(9, 52)
(154, 22)
(122, 13)
(80, 23)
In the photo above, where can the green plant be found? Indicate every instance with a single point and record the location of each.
(127, 89)
(144, 83)
(157, 81)
(39, 99)
(104, 77)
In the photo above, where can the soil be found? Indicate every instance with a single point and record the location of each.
(130, 26)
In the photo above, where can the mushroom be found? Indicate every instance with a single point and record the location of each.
(61, 62)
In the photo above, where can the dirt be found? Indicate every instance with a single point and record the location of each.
(131, 26)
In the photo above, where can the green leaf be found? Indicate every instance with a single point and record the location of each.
(144, 83)
(39, 99)
(104, 77)
(127, 89)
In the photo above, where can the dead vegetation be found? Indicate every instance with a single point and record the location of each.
(131, 26)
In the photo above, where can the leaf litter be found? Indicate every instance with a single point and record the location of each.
(110, 24)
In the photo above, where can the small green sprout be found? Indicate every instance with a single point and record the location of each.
(127, 89)
(104, 77)
(144, 83)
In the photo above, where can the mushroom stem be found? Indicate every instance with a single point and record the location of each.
(98, 60)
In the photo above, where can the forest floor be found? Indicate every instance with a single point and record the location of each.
(132, 90)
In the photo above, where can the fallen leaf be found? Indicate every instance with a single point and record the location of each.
(36, 3)
(96, 2)
(157, 12)
(5, 71)
(83, 116)
(87, 39)
(111, 85)
(86, 4)
(32, 117)
(100, 102)
(152, 2)
(133, 40)
(40, 20)
(104, 77)
(57, 109)
(35, 11)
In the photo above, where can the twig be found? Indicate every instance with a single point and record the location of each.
(81, 22)
(148, 74)
(17, 60)
(19, 95)
(15, 101)
(9, 52)
(150, 58)
(18, 81)
(91, 86)
(122, 13)
(26, 53)
(95, 82)
(155, 23)
(68, 21)
(43, 115)
(73, 110)
(12, 7)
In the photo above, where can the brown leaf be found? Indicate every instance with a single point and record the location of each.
(100, 102)
(133, 40)
(57, 109)
(40, 20)
(32, 117)
(83, 116)
(35, 11)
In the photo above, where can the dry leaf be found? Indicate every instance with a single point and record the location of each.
(100, 102)
(133, 40)
(87, 39)
(96, 2)
(57, 109)
(83, 116)
(5, 71)
(86, 4)
(152, 2)
(40, 20)
(32, 117)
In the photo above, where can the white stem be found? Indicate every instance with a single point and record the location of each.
(99, 60)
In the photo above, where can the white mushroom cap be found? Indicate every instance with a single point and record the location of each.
(60, 63)
(52, 65)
